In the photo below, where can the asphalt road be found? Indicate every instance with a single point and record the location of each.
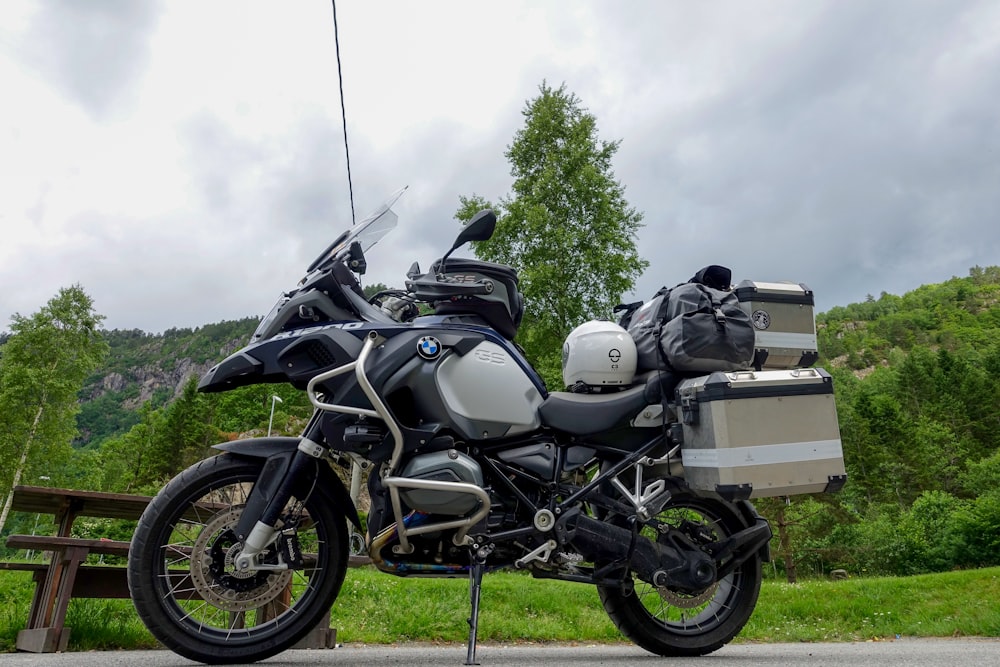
(899, 653)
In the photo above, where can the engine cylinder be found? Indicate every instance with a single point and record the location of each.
(444, 466)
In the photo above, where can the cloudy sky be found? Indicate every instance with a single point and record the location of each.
(184, 161)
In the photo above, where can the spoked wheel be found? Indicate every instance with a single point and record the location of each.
(676, 623)
(184, 583)
(358, 546)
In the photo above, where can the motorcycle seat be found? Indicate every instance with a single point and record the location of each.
(586, 414)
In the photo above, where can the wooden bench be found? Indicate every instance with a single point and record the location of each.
(92, 581)
(65, 576)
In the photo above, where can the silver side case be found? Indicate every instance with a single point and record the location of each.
(761, 433)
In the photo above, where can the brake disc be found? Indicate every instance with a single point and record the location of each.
(687, 600)
(214, 573)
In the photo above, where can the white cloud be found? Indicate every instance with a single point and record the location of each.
(184, 161)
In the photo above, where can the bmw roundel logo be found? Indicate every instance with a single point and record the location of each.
(429, 347)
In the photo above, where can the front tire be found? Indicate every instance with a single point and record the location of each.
(186, 590)
(673, 623)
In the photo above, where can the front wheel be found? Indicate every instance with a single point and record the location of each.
(191, 597)
(675, 623)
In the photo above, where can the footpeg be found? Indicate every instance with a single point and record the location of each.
(541, 553)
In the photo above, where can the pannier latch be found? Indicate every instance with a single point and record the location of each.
(689, 410)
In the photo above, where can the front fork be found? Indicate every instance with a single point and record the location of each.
(289, 473)
(289, 469)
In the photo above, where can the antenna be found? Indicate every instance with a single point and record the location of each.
(343, 112)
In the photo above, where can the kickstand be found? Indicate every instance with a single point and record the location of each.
(475, 586)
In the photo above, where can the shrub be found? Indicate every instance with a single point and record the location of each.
(976, 532)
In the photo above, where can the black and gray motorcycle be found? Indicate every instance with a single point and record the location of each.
(471, 465)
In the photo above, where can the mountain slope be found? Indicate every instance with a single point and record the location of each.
(145, 367)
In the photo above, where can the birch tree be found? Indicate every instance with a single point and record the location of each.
(566, 226)
(44, 364)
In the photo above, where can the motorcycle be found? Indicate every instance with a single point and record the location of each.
(472, 466)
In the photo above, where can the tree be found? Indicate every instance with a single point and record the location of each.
(162, 444)
(372, 290)
(45, 362)
(246, 408)
(566, 227)
(186, 433)
(126, 461)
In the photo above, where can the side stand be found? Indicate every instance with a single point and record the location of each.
(475, 586)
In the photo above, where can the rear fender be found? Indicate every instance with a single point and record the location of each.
(279, 452)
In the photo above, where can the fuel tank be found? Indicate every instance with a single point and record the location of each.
(489, 391)
(474, 386)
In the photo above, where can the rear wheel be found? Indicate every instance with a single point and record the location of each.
(187, 590)
(675, 623)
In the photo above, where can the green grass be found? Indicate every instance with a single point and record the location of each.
(378, 608)
(513, 606)
(932, 605)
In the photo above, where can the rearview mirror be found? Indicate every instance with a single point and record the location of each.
(480, 228)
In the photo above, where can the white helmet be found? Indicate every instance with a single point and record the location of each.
(598, 353)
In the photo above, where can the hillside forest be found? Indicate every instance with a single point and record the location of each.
(917, 392)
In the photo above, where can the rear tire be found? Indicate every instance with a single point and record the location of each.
(672, 623)
(188, 594)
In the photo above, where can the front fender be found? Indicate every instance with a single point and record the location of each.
(259, 448)
(278, 450)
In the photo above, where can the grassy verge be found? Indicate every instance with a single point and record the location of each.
(950, 604)
(378, 608)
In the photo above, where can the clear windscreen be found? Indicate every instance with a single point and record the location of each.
(367, 232)
(375, 229)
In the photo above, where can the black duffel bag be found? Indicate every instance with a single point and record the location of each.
(695, 327)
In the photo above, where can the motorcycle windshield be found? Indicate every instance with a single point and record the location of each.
(367, 232)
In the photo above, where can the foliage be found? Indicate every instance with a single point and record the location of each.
(938, 532)
(918, 398)
(249, 408)
(372, 290)
(185, 433)
(566, 227)
(168, 439)
(140, 417)
(44, 364)
(108, 414)
(983, 476)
